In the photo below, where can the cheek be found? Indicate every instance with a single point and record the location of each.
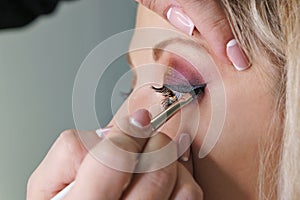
(249, 110)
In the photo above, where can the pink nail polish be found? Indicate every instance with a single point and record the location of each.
(184, 147)
(180, 20)
(140, 118)
(237, 56)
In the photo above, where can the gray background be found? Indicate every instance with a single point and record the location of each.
(38, 65)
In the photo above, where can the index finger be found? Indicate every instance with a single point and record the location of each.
(99, 176)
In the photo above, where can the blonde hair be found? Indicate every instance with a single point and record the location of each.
(271, 28)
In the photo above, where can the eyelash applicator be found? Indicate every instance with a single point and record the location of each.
(175, 98)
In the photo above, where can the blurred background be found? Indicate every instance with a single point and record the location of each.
(38, 65)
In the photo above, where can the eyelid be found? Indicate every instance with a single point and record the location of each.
(182, 72)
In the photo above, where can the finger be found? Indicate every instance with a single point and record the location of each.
(186, 187)
(106, 171)
(187, 164)
(210, 20)
(60, 165)
(158, 6)
(157, 184)
(184, 151)
(207, 16)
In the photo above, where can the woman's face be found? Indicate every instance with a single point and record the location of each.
(236, 105)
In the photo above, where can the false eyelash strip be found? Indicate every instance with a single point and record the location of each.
(169, 96)
(173, 93)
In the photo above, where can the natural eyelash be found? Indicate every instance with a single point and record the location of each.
(169, 96)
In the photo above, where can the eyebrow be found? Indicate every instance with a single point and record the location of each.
(159, 48)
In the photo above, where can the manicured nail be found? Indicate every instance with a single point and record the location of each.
(140, 118)
(184, 146)
(180, 20)
(237, 56)
(184, 158)
(102, 132)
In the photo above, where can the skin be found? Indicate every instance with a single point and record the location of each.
(208, 17)
(230, 170)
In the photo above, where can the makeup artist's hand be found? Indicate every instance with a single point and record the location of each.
(68, 160)
(207, 18)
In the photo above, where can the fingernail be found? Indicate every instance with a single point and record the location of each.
(180, 20)
(184, 158)
(102, 132)
(184, 147)
(237, 56)
(140, 118)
